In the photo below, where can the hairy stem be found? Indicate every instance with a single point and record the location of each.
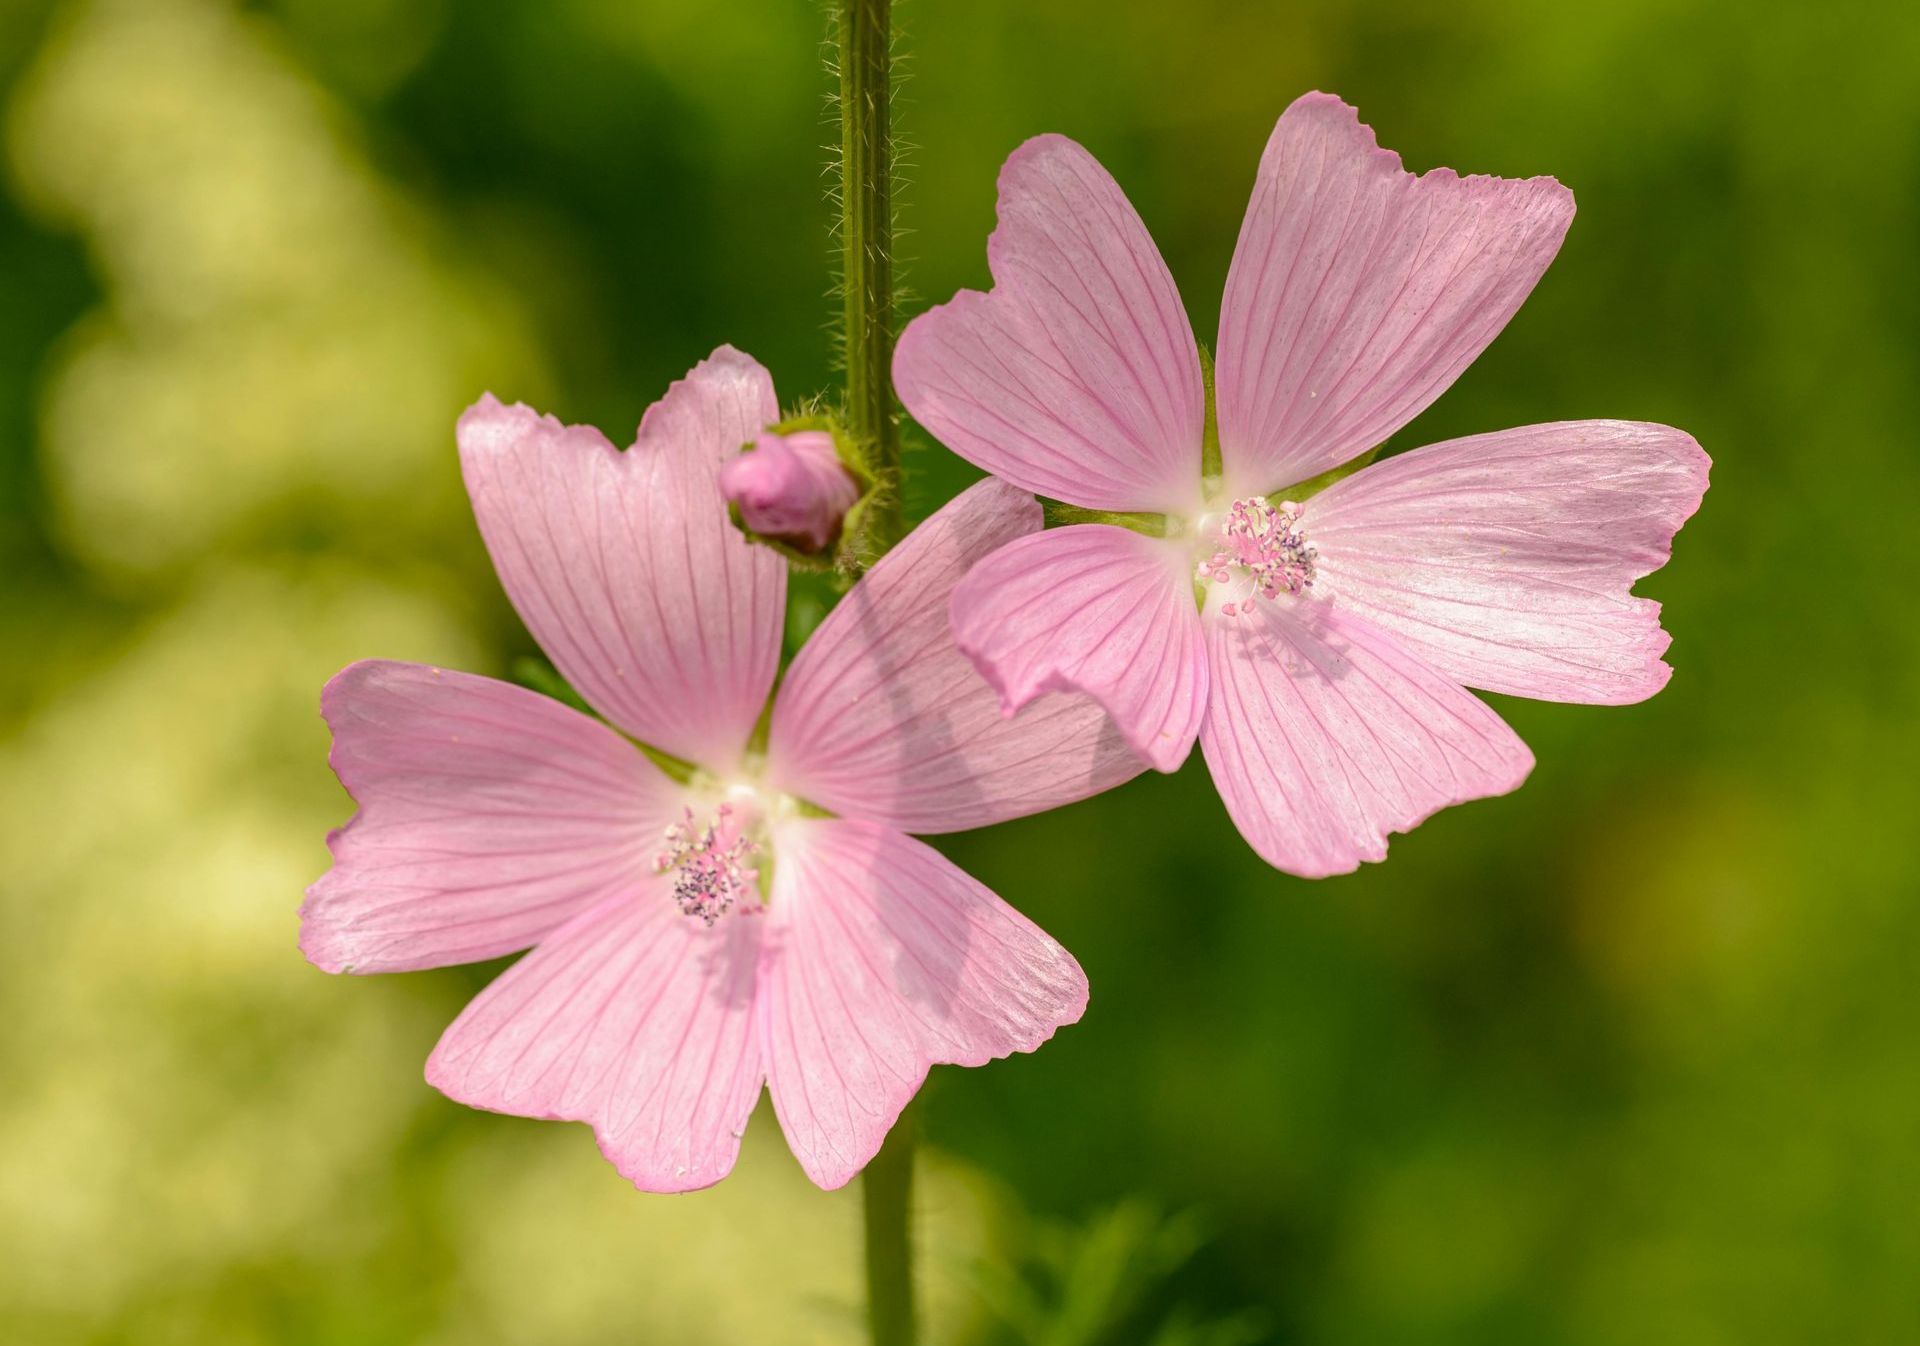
(865, 43)
(865, 53)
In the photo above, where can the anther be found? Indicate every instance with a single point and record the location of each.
(1268, 546)
(710, 863)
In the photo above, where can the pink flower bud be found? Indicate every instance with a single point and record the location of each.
(791, 488)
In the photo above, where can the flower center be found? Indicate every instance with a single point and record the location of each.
(712, 865)
(1266, 545)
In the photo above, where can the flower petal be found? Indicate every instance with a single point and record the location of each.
(633, 1018)
(1507, 561)
(1323, 736)
(1078, 376)
(885, 959)
(881, 716)
(489, 815)
(623, 565)
(1359, 292)
(1095, 609)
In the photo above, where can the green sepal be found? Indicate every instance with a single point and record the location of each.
(677, 767)
(859, 546)
(1299, 491)
(1210, 462)
(763, 725)
(1059, 515)
(1210, 468)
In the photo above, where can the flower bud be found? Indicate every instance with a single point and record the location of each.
(791, 488)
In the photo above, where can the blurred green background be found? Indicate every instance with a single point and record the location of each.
(1631, 1056)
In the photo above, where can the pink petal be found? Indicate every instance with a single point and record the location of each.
(1507, 561)
(1359, 292)
(886, 959)
(1095, 609)
(1323, 736)
(633, 1018)
(489, 815)
(882, 717)
(1078, 376)
(624, 566)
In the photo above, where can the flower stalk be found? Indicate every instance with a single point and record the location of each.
(865, 58)
(865, 55)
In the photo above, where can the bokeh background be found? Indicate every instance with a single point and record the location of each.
(1630, 1056)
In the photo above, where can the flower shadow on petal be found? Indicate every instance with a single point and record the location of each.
(882, 717)
(1288, 638)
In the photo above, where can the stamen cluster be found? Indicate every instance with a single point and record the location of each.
(712, 864)
(1268, 544)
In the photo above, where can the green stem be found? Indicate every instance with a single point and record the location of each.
(865, 41)
(866, 258)
(886, 1190)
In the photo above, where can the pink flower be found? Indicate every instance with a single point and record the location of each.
(766, 919)
(791, 488)
(1323, 668)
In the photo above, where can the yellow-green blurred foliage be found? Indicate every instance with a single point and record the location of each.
(1631, 1056)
